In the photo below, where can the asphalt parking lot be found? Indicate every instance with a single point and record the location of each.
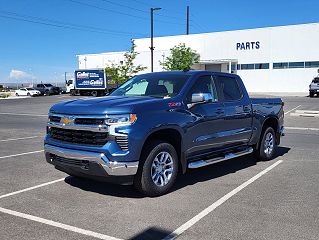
(237, 199)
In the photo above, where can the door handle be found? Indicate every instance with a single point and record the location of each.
(220, 111)
(247, 109)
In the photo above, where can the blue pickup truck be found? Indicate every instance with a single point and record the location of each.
(157, 125)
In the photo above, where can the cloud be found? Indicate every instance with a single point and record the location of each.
(19, 75)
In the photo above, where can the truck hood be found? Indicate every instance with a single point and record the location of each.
(106, 105)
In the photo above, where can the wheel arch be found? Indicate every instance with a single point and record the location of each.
(271, 121)
(172, 135)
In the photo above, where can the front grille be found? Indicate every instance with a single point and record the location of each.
(89, 121)
(78, 136)
(54, 118)
(122, 141)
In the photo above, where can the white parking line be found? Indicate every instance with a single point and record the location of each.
(57, 224)
(20, 154)
(305, 129)
(219, 202)
(292, 109)
(25, 114)
(31, 188)
(15, 139)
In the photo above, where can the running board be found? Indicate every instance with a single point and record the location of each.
(202, 163)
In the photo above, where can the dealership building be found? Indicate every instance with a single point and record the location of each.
(272, 59)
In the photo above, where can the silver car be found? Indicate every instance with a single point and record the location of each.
(314, 87)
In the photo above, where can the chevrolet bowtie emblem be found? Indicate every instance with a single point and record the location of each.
(67, 120)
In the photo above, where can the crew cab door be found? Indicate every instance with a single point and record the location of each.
(238, 111)
(203, 134)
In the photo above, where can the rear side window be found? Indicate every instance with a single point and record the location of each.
(230, 88)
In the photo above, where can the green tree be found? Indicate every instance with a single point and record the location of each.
(181, 58)
(120, 73)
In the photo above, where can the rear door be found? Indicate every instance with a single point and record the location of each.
(204, 134)
(238, 111)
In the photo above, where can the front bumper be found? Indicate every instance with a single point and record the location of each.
(87, 163)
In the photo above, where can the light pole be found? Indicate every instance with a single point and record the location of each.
(152, 34)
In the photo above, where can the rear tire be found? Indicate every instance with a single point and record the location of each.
(17, 94)
(267, 145)
(158, 169)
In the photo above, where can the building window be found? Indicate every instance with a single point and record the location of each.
(281, 65)
(262, 66)
(234, 66)
(296, 64)
(312, 64)
(247, 66)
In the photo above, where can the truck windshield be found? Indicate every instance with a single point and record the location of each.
(157, 85)
(48, 85)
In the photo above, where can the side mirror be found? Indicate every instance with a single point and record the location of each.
(201, 97)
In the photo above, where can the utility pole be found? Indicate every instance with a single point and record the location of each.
(187, 20)
(152, 35)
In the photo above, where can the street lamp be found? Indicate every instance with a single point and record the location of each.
(152, 34)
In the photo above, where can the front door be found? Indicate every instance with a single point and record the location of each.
(204, 133)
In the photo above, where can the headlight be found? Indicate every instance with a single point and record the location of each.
(124, 119)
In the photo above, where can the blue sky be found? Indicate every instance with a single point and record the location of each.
(69, 27)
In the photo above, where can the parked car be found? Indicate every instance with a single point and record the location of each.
(159, 124)
(27, 92)
(314, 87)
(48, 89)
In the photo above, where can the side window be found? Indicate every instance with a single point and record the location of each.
(230, 88)
(204, 84)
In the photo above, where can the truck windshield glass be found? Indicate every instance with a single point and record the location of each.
(48, 85)
(158, 85)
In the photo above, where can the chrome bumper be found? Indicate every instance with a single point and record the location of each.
(112, 168)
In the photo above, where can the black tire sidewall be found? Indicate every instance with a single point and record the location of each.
(262, 156)
(144, 181)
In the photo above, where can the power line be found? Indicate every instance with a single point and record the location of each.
(106, 9)
(121, 13)
(54, 23)
(138, 10)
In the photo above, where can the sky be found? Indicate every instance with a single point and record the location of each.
(39, 39)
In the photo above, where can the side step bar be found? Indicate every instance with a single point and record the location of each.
(202, 163)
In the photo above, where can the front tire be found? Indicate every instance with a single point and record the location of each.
(267, 145)
(158, 169)
(311, 94)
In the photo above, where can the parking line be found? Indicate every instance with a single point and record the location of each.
(305, 129)
(25, 114)
(20, 154)
(219, 202)
(57, 224)
(31, 188)
(15, 139)
(292, 109)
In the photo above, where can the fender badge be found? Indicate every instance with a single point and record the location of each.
(174, 104)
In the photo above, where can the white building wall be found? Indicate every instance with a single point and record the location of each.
(277, 44)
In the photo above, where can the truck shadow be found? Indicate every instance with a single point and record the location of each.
(191, 177)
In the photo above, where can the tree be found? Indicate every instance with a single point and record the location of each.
(120, 73)
(181, 58)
